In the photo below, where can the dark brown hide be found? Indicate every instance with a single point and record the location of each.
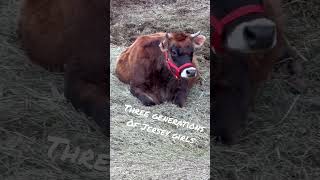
(71, 35)
(142, 65)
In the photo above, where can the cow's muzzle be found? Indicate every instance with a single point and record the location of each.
(255, 35)
(249, 36)
(186, 70)
(189, 72)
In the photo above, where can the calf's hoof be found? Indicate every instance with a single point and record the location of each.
(146, 101)
(179, 103)
(228, 137)
(179, 100)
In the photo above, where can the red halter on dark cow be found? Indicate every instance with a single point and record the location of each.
(218, 25)
(173, 68)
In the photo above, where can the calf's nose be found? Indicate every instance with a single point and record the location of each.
(260, 36)
(191, 72)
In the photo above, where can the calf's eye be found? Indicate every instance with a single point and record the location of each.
(174, 52)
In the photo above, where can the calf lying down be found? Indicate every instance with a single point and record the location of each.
(160, 67)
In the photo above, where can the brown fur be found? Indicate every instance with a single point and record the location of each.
(236, 79)
(142, 66)
(71, 35)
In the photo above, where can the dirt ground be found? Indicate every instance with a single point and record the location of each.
(282, 140)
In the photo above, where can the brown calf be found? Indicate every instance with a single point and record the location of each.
(160, 67)
(247, 40)
(71, 35)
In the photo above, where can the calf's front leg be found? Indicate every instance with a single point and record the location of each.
(180, 98)
(140, 93)
(181, 94)
(88, 96)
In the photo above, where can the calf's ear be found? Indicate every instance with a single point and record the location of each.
(198, 41)
(164, 45)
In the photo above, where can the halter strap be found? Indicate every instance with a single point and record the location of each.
(173, 68)
(219, 25)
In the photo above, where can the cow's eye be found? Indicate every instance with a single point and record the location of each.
(174, 52)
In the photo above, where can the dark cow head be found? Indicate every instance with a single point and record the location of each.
(241, 29)
(242, 26)
(178, 49)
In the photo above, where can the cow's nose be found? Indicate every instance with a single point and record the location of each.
(191, 72)
(260, 36)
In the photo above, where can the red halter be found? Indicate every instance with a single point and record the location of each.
(218, 25)
(173, 68)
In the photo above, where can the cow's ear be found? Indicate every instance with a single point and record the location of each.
(164, 45)
(198, 41)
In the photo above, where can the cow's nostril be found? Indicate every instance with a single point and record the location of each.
(191, 72)
(259, 36)
(249, 34)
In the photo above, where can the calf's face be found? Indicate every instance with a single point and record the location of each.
(241, 30)
(250, 32)
(179, 48)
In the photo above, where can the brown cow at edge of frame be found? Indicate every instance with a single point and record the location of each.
(160, 67)
(71, 36)
(247, 40)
